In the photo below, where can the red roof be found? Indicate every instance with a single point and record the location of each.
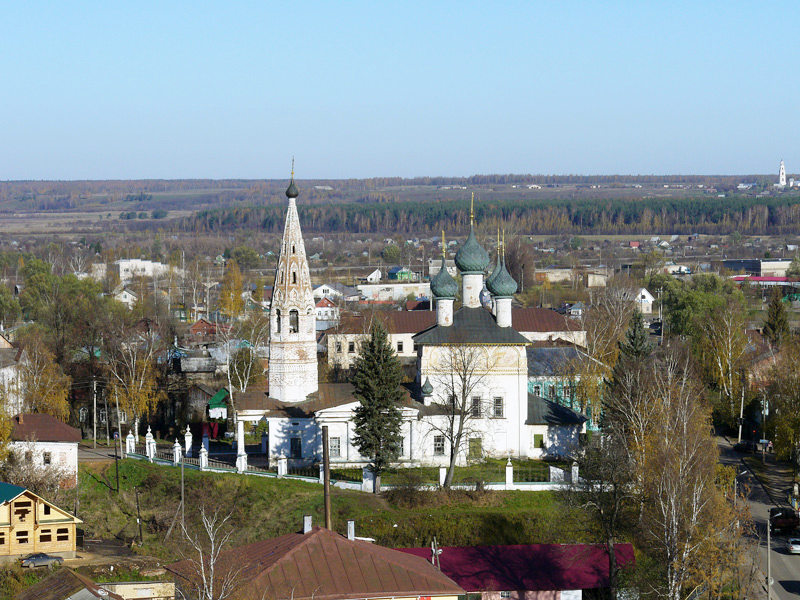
(324, 565)
(763, 279)
(42, 428)
(325, 303)
(527, 567)
(541, 319)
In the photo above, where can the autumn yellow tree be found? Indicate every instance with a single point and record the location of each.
(44, 386)
(230, 295)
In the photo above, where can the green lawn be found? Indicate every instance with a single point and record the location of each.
(266, 507)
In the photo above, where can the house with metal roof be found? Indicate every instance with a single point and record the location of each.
(528, 571)
(46, 443)
(319, 564)
(29, 523)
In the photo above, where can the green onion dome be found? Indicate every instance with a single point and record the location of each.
(471, 257)
(494, 274)
(427, 388)
(443, 285)
(503, 285)
(291, 191)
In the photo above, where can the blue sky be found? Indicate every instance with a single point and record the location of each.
(98, 90)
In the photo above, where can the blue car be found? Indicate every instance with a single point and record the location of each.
(41, 559)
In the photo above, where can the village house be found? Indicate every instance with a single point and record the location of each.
(45, 442)
(66, 584)
(327, 314)
(12, 360)
(528, 571)
(320, 564)
(30, 524)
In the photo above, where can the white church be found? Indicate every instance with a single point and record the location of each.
(471, 356)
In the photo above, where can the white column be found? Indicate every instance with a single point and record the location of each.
(240, 437)
(444, 312)
(283, 466)
(188, 441)
(442, 475)
(176, 452)
(149, 444)
(503, 312)
(203, 458)
(130, 443)
(509, 475)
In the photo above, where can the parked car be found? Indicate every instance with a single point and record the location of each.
(40, 559)
(783, 519)
(793, 546)
(746, 446)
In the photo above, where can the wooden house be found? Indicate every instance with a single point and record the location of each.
(31, 524)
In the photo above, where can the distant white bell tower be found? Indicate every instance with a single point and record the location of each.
(292, 343)
(782, 175)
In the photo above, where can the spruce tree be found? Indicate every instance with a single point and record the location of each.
(637, 343)
(376, 378)
(776, 325)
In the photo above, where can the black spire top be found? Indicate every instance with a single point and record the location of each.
(291, 191)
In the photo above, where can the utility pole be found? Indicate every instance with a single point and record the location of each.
(326, 461)
(94, 413)
(769, 563)
(138, 515)
(116, 457)
(183, 504)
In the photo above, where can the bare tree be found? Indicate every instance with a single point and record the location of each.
(458, 372)
(22, 467)
(243, 342)
(208, 571)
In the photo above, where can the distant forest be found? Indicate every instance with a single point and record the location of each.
(753, 216)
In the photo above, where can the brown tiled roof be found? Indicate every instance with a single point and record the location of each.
(324, 565)
(541, 319)
(63, 584)
(395, 321)
(9, 356)
(42, 428)
(327, 396)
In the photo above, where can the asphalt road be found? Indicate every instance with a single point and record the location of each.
(785, 566)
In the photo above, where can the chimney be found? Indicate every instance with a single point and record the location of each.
(351, 529)
(306, 523)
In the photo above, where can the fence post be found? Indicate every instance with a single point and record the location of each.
(575, 476)
(442, 476)
(241, 462)
(188, 441)
(176, 452)
(203, 458)
(283, 466)
(149, 444)
(367, 480)
(130, 443)
(205, 441)
(509, 475)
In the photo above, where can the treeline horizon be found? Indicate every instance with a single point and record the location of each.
(749, 216)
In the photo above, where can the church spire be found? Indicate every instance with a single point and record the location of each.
(293, 355)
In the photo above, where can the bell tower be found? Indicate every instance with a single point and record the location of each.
(292, 343)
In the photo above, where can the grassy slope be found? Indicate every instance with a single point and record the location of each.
(263, 508)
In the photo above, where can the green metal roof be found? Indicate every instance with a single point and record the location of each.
(471, 327)
(9, 491)
(291, 191)
(218, 399)
(502, 285)
(443, 285)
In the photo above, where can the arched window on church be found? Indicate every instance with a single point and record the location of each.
(294, 276)
(293, 321)
(281, 276)
(278, 321)
(293, 249)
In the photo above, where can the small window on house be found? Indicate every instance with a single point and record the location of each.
(62, 534)
(28, 456)
(47, 458)
(338, 347)
(335, 447)
(2, 538)
(295, 448)
(294, 325)
(351, 347)
(438, 445)
(475, 449)
(537, 390)
(538, 440)
(416, 347)
(551, 392)
(497, 408)
(475, 409)
(399, 347)
(45, 509)
(22, 537)
(45, 535)
(505, 594)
